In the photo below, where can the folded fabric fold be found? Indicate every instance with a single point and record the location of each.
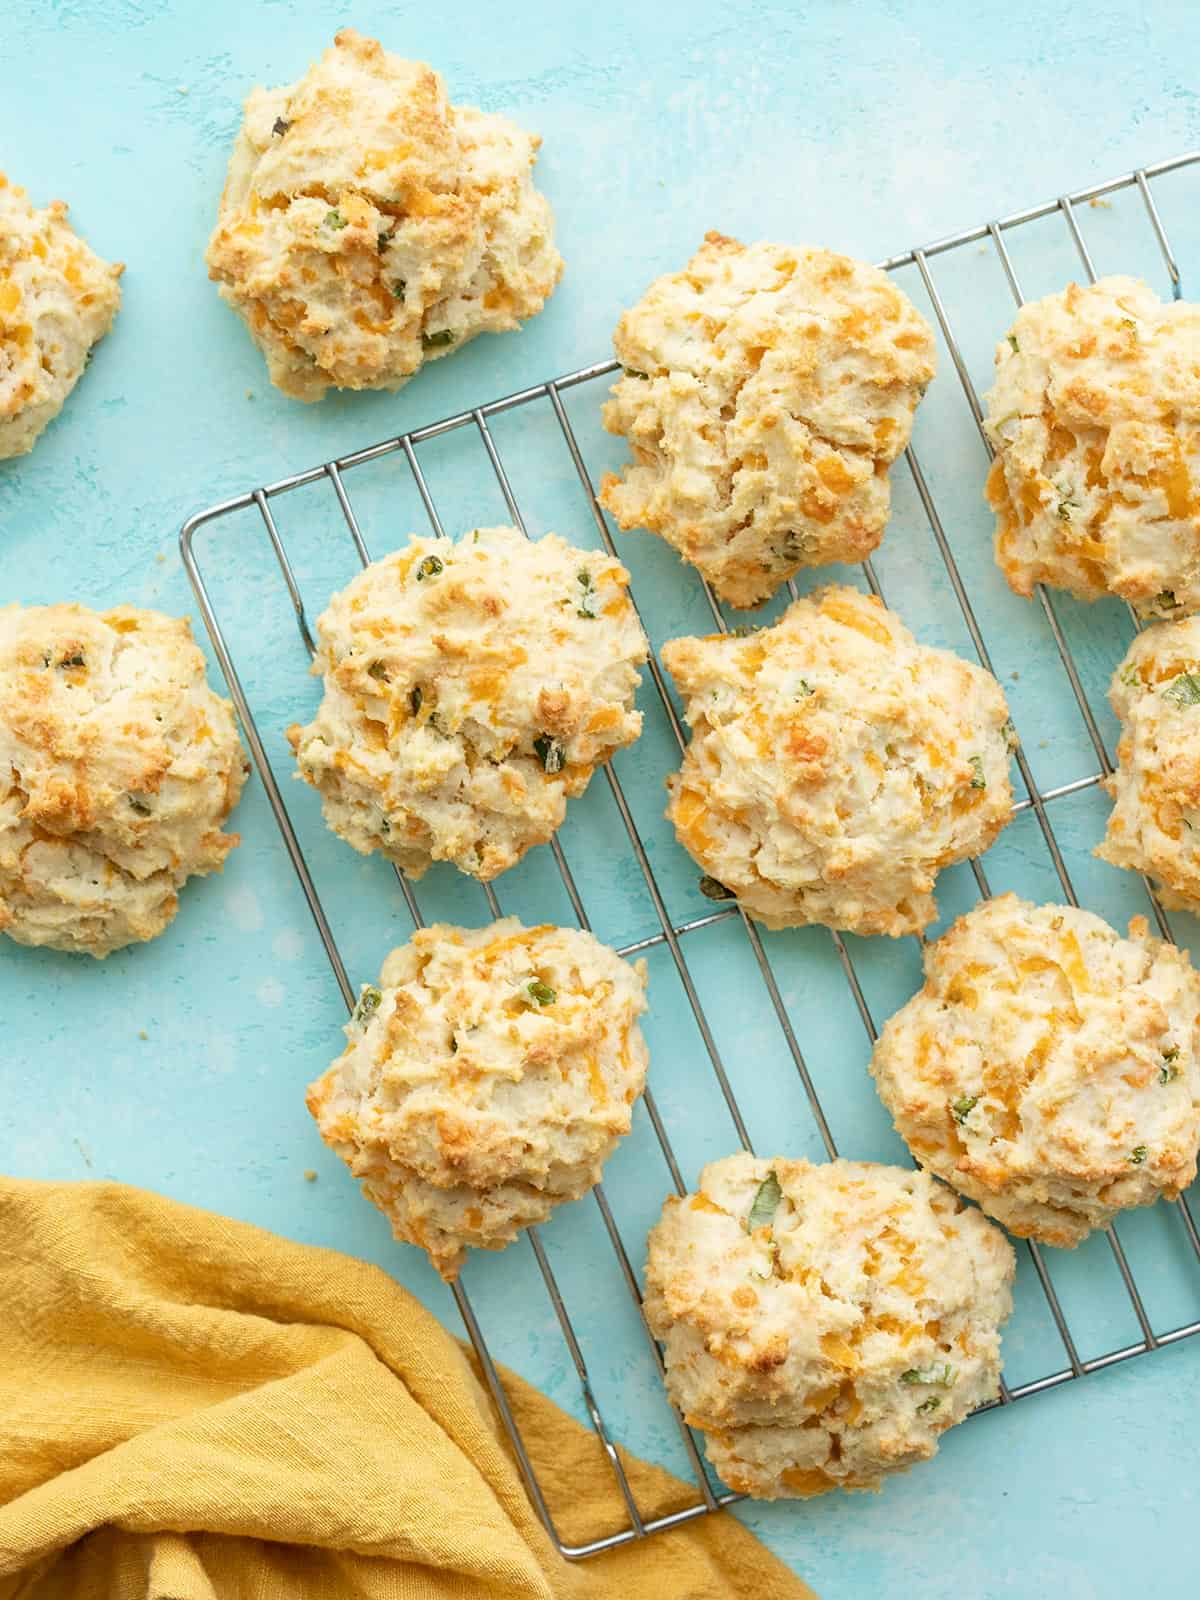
(193, 1409)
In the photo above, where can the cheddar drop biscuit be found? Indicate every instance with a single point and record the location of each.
(1095, 418)
(471, 689)
(1048, 1068)
(57, 299)
(836, 765)
(767, 390)
(825, 1324)
(118, 767)
(368, 226)
(1156, 787)
(487, 1078)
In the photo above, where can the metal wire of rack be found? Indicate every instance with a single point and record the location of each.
(671, 935)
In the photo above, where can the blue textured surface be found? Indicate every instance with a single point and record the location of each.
(181, 1066)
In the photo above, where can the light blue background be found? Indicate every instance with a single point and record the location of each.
(866, 128)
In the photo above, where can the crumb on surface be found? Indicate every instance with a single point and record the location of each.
(309, 1175)
(142, 1034)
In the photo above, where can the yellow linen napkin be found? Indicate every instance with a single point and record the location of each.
(193, 1409)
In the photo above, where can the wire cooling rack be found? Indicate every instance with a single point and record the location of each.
(672, 933)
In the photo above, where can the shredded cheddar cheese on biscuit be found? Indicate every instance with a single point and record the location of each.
(836, 765)
(1155, 821)
(57, 299)
(1033, 1087)
(767, 390)
(118, 767)
(828, 1344)
(1095, 417)
(470, 691)
(368, 226)
(486, 1080)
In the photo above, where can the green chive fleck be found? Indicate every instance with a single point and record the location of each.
(398, 288)
(963, 1107)
(430, 567)
(550, 753)
(280, 127)
(1012, 339)
(793, 552)
(1165, 599)
(137, 804)
(1131, 677)
(378, 670)
(75, 659)
(1010, 736)
(414, 699)
(1184, 690)
(766, 1203)
(804, 688)
(436, 341)
(587, 601)
(632, 372)
(931, 1404)
(369, 1002)
(540, 993)
(1064, 509)
(334, 219)
(978, 781)
(712, 890)
(1128, 322)
(1137, 1155)
(943, 1374)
